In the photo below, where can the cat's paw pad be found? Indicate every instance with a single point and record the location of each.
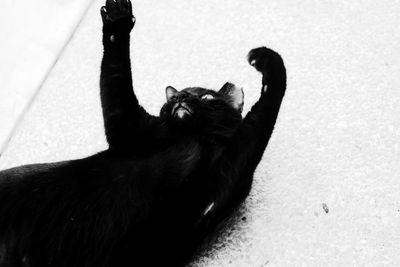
(117, 15)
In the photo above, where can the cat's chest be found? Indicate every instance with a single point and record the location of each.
(185, 153)
(191, 151)
(184, 161)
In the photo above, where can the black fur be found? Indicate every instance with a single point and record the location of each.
(164, 183)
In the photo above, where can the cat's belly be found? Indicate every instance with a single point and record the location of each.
(106, 197)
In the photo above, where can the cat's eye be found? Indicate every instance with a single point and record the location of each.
(207, 96)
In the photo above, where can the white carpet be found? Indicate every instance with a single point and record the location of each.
(33, 34)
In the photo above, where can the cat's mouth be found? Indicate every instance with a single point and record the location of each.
(180, 110)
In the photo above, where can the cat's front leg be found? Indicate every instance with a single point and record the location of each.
(234, 173)
(123, 116)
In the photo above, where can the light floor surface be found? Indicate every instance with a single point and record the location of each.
(33, 34)
(326, 192)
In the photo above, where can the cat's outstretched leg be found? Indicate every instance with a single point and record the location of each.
(241, 157)
(121, 110)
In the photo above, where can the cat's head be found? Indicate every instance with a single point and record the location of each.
(203, 108)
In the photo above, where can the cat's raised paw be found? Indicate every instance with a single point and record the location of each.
(269, 63)
(117, 16)
(259, 58)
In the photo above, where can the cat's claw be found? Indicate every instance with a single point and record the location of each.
(117, 16)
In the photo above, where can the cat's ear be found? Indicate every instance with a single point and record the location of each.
(170, 92)
(233, 94)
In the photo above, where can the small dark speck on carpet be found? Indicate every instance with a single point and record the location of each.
(325, 207)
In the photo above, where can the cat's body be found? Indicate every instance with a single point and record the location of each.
(161, 187)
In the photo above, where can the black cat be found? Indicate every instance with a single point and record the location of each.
(164, 183)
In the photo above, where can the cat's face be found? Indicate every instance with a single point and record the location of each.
(201, 107)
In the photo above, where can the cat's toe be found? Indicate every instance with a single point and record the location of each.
(104, 15)
(126, 4)
(258, 58)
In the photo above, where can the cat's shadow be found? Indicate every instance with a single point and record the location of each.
(226, 232)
